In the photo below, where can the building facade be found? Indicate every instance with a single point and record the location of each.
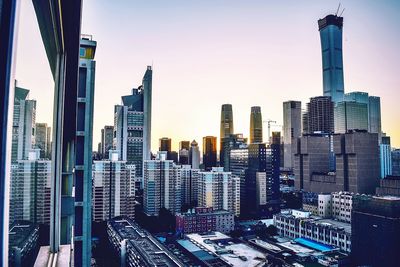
(107, 136)
(189, 184)
(184, 147)
(43, 140)
(330, 30)
(350, 115)
(203, 220)
(256, 125)
(228, 143)
(194, 155)
(209, 152)
(319, 116)
(291, 129)
(385, 156)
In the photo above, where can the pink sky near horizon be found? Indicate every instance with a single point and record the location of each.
(208, 53)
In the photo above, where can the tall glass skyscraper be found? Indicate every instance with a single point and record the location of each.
(330, 30)
(226, 121)
(256, 129)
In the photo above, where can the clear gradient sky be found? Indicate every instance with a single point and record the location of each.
(210, 52)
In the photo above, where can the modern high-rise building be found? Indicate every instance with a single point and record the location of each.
(319, 116)
(43, 140)
(396, 162)
(228, 143)
(350, 115)
(330, 30)
(374, 109)
(113, 188)
(385, 156)
(24, 118)
(256, 125)
(132, 124)
(107, 136)
(291, 129)
(162, 186)
(194, 155)
(356, 163)
(226, 121)
(165, 144)
(219, 190)
(184, 147)
(375, 221)
(209, 152)
(189, 184)
(30, 189)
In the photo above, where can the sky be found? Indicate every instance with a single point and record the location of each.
(211, 52)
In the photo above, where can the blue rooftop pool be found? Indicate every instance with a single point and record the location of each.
(313, 244)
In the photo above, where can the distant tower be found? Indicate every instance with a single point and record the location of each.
(330, 30)
(256, 131)
(209, 152)
(226, 121)
(291, 129)
(319, 116)
(194, 155)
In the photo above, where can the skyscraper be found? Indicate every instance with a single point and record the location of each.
(189, 184)
(194, 155)
(330, 30)
(24, 117)
(226, 121)
(228, 143)
(113, 188)
(42, 140)
(184, 147)
(291, 129)
(132, 124)
(396, 162)
(256, 129)
(107, 135)
(319, 116)
(350, 115)
(165, 144)
(209, 152)
(162, 187)
(30, 189)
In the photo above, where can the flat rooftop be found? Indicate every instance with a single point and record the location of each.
(20, 232)
(228, 249)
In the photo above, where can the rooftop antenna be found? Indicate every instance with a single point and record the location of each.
(337, 11)
(342, 12)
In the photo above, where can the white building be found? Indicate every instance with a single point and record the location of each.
(162, 185)
(219, 190)
(113, 188)
(30, 189)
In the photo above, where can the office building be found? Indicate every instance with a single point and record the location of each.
(219, 190)
(43, 140)
(204, 220)
(359, 150)
(162, 187)
(30, 189)
(396, 162)
(375, 231)
(336, 205)
(330, 30)
(23, 243)
(296, 224)
(390, 185)
(132, 124)
(165, 144)
(209, 152)
(239, 162)
(319, 116)
(24, 118)
(385, 156)
(350, 115)
(189, 184)
(184, 147)
(136, 247)
(107, 136)
(113, 188)
(291, 129)
(256, 125)
(194, 155)
(273, 168)
(228, 143)
(226, 127)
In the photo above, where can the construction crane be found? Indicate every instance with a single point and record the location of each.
(268, 122)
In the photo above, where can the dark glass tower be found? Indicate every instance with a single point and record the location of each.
(330, 30)
(226, 120)
(209, 152)
(256, 130)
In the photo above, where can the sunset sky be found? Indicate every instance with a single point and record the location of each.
(207, 53)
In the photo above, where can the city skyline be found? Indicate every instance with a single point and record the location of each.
(203, 63)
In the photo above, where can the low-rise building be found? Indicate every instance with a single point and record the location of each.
(390, 185)
(136, 246)
(299, 224)
(23, 243)
(203, 220)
